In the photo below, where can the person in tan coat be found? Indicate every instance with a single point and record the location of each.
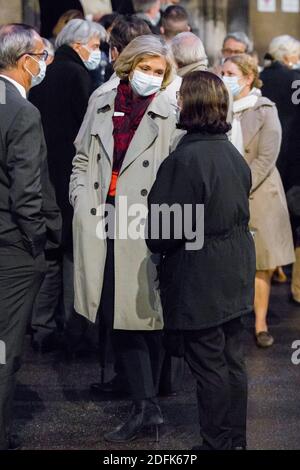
(125, 140)
(256, 132)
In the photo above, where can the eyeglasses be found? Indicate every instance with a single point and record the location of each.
(232, 51)
(42, 55)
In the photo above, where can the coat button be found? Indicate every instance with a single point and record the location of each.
(144, 192)
(96, 185)
(93, 211)
(98, 157)
(146, 163)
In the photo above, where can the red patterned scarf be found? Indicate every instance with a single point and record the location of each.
(133, 107)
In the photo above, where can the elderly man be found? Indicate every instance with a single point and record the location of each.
(28, 212)
(190, 56)
(189, 53)
(236, 43)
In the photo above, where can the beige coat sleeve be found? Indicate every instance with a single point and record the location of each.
(268, 147)
(81, 159)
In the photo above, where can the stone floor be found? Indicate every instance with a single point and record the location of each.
(54, 409)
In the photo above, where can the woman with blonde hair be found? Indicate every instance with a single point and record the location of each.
(125, 139)
(256, 132)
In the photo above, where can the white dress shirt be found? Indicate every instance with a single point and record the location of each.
(17, 85)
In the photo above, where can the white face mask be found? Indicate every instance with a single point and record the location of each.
(93, 61)
(37, 79)
(144, 84)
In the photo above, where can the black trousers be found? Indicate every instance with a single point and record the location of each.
(136, 355)
(216, 359)
(20, 280)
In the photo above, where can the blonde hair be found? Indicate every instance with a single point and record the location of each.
(247, 66)
(147, 45)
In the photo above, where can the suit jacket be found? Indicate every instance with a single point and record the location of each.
(28, 211)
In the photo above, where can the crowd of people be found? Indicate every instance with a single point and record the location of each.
(129, 108)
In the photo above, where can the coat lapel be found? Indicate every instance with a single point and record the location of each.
(103, 123)
(251, 123)
(147, 131)
(145, 135)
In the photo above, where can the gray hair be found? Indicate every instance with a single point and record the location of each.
(142, 6)
(282, 46)
(15, 41)
(188, 49)
(80, 31)
(242, 37)
(48, 46)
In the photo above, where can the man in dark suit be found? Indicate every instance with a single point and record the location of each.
(29, 217)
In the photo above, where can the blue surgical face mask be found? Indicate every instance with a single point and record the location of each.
(94, 59)
(37, 79)
(233, 84)
(144, 84)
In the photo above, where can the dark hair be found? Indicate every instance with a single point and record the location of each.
(126, 29)
(205, 102)
(175, 13)
(109, 19)
(175, 20)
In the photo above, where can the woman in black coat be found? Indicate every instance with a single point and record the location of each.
(207, 287)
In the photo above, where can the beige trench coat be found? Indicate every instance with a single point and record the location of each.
(137, 300)
(269, 217)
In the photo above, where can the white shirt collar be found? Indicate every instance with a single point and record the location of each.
(17, 85)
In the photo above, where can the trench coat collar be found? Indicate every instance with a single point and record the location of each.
(145, 135)
(252, 120)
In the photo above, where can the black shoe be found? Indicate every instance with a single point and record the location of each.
(14, 443)
(264, 339)
(114, 386)
(164, 393)
(144, 413)
(51, 343)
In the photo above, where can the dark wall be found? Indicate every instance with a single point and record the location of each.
(122, 6)
(238, 15)
(51, 10)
